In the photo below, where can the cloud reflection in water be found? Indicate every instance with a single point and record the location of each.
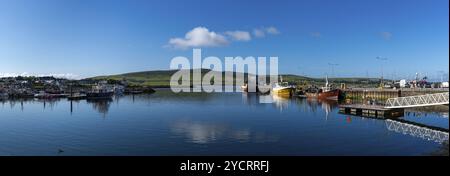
(208, 132)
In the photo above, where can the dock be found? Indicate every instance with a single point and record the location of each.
(373, 111)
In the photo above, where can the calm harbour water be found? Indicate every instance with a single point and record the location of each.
(165, 123)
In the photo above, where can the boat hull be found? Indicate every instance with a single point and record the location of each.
(283, 91)
(105, 95)
(330, 95)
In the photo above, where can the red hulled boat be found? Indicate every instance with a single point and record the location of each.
(327, 92)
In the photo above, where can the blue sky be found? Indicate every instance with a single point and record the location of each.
(98, 37)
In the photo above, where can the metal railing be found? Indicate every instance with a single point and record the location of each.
(417, 101)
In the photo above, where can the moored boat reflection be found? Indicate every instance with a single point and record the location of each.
(100, 105)
(281, 101)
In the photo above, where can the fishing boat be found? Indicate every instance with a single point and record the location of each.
(327, 92)
(21, 93)
(100, 91)
(282, 88)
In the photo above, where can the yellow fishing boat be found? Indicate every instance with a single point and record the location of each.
(282, 88)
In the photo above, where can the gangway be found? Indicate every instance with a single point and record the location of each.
(418, 101)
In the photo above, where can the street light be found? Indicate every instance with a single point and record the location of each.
(382, 59)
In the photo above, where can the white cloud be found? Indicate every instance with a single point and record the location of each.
(239, 35)
(64, 75)
(272, 30)
(199, 37)
(259, 33)
(263, 31)
(203, 37)
(386, 35)
(56, 75)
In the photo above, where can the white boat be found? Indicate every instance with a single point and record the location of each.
(244, 87)
(101, 91)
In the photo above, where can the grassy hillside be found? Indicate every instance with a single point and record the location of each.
(145, 78)
(161, 78)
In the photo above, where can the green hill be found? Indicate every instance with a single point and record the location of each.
(161, 78)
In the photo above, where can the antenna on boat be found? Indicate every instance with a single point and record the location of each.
(326, 80)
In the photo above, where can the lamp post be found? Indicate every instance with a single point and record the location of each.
(382, 59)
